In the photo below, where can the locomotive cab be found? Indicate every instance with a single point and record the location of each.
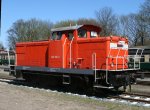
(67, 39)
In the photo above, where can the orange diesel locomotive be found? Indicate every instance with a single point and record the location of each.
(76, 55)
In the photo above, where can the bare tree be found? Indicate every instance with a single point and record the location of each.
(145, 9)
(1, 46)
(145, 18)
(133, 27)
(107, 20)
(137, 26)
(129, 28)
(28, 31)
(0, 14)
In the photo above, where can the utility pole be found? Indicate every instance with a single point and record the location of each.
(0, 16)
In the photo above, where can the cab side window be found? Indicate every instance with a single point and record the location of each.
(59, 35)
(56, 35)
(70, 35)
(82, 33)
(94, 34)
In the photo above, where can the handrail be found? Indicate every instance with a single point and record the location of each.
(140, 58)
(71, 51)
(63, 52)
(117, 58)
(94, 64)
(107, 71)
(107, 65)
(122, 57)
(8, 58)
(15, 58)
(135, 57)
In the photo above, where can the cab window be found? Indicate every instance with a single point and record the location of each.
(82, 33)
(56, 35)
(70, 35)
(93, 34)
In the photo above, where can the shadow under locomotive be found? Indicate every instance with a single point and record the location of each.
(83, 80)
(98, 93)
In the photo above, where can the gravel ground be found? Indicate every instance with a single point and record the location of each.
(145, 89)
(16, 98)
(4, 74)
(22, 98)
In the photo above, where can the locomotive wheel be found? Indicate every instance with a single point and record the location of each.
(27, 77)
(116, 88)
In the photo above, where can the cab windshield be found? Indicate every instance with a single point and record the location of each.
(82, 33)
(94, 34)
(56, 35)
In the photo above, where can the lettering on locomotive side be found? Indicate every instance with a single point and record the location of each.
(55, 56)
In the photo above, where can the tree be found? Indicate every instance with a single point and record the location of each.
(30, 30)
(145, 9)
(80, 21)
(134, 28)
(137, 26)
(89, 21)
(129, 28)
(1, 46)
(107, 20)
(144, 19)
(65, 23)
(0, 13)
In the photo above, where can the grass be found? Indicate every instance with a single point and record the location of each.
(81, 101)
(96, 103)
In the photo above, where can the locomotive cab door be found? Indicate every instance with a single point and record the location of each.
(56, 50)
(61, 49)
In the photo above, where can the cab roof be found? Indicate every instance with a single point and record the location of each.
(72, 28)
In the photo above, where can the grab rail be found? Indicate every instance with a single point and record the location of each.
(94, 64)
(71, 51)
(136, 56)
(63, 53)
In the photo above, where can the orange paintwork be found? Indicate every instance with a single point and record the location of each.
(57, 53)
(32, 53)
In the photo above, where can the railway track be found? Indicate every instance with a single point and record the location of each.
(144, 82)
(136, 94)
(133, 97)
(128, 98)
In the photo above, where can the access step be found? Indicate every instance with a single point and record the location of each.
(100, 86)
(66, 79)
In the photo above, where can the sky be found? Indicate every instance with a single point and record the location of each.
(58, 10)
